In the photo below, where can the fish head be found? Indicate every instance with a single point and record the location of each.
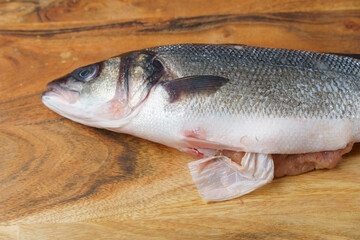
(105, 94)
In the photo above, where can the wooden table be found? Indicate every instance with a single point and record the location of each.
(63, 180)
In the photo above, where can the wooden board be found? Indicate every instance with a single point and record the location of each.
(62, 180)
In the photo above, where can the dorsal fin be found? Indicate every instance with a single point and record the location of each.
(193, 84)
(357, 56)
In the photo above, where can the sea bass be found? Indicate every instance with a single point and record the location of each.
(248, 113)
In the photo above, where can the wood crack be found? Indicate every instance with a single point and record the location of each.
(192, 23)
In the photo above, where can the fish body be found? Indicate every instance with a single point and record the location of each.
(206, 99)
(276, 101)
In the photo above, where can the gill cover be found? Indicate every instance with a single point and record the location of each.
(140, 72)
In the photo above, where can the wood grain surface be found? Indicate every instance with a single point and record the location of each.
(63, 180)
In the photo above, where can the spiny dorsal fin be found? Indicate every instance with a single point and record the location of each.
(193, 84)
(357, 56)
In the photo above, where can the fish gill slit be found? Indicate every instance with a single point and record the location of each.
(127, 65)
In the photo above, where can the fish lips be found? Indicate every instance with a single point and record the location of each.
(56, 90)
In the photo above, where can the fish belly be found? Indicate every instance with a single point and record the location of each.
(279, 135)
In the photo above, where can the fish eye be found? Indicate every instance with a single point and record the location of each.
(86, 73)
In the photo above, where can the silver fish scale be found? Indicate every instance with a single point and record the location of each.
(269, 82)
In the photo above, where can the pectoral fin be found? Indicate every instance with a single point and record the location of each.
(192, 85)
(219, 178)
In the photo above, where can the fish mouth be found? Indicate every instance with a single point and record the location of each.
(55, 90)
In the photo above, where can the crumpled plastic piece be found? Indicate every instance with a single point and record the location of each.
(218, 178)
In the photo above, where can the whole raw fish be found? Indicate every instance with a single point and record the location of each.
(241, 109)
